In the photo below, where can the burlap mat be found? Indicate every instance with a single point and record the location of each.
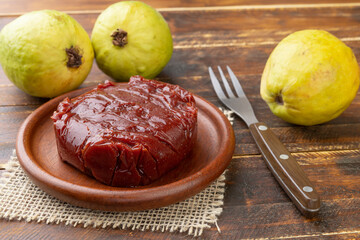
(20, 199)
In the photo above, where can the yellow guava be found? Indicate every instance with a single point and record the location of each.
(131, 38)
(310, 78)
(45, 53)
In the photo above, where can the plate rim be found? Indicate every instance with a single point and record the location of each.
(53, 185)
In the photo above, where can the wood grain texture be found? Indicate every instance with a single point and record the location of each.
(254, 205)
(93, 5)
(240, 34)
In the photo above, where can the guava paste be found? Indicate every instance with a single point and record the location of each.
(130, 136)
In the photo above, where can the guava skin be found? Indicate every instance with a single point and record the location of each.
(149, 42)
(310, 78)
(33, 53)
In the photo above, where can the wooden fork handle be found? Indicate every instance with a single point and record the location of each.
(286, 170)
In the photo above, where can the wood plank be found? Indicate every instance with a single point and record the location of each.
(326, 137)
(335, 175)
(256, 207)
(34, 231)
(342, 133)
(11, 120)
(282, 221)
(92, 5)
(6, 150)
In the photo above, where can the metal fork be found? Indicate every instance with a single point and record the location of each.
(279, 160)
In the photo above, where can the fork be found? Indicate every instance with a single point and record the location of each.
(279, 160)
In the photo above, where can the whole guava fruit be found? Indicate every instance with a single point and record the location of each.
(45, 53)
(131, 38)
(310, 78)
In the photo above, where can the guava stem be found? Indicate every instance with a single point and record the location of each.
(74, 57)
(279, 99)
(119, 37)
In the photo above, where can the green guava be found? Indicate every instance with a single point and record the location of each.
(310, 78)
(45, 53)
(131, 38)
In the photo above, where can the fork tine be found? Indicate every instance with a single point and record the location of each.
(226, 84)
(236, 83)
(216, 84)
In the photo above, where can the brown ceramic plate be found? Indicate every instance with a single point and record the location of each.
(38, 156)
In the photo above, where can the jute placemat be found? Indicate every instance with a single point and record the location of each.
(20, 200)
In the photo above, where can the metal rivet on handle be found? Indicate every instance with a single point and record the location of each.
(284, 156)
(262, 127)
(307, 189)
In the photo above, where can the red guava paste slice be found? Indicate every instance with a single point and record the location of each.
(127, 137)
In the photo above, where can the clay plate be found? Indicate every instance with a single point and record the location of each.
(38, 156)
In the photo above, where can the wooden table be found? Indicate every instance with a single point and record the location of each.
(240, 34)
